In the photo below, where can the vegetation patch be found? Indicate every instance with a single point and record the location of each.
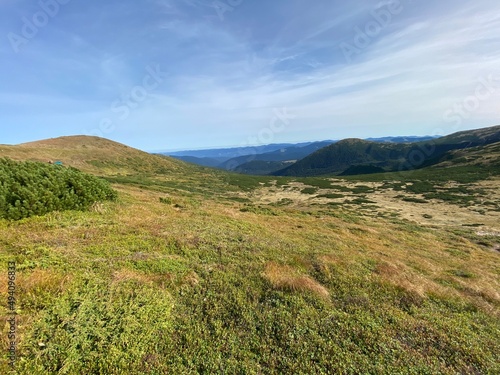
(166, 200)
(360, 200)
(462, 273)
(321, 183)
(239, 199)
(283, 202)
(331, 196)
(123, 319)
(341, 188)
(360, 189)
(34, 189)
(309, 190)
(414, 200)
(420, 187)
(260, 210)
(463, 200)
(286, 278)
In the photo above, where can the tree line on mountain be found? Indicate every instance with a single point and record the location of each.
(34, 189)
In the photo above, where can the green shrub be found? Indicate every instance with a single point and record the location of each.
(309, 190)
(166, 200)
(31, 189)
(414, 200)
(331, 196)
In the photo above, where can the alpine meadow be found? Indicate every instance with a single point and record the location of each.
(249, 187)
(185, 269)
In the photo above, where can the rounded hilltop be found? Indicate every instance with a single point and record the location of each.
(91, 154)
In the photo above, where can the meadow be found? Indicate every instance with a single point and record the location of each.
(201, 271)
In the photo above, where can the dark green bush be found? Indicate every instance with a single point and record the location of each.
(31, 189)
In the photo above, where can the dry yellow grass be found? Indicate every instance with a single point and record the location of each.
(287, 278)
(39, 280)
(124, 275)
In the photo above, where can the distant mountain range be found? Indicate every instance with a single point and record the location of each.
(265, 160)
(356, 156)
(232, 152)
(480, 147)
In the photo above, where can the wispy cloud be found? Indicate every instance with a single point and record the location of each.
(224, 77)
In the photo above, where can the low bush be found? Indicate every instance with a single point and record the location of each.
(32, 188)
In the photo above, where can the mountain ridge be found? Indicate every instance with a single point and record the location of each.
(338, 157)
(259, 160)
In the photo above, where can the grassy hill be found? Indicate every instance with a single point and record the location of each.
(92, 154)
(194, 270)
(337, 158)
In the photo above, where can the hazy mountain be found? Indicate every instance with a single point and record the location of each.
(285, 154)
(233, 152)
(402, 139)
(262, 167)
(205, 162)
(241, 159)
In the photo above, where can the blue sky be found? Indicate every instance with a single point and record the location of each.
(185, 74)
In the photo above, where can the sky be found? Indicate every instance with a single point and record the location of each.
(191, 74)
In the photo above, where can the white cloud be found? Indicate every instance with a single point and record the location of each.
(225, 78)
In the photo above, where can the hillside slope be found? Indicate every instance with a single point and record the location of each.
(481, 156)
(340, 156)
(213, 272)
(92, 154)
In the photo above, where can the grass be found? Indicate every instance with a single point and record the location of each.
(199, 296)
(125, 315)
(191, 273)
(261, 210)
(286, 278)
